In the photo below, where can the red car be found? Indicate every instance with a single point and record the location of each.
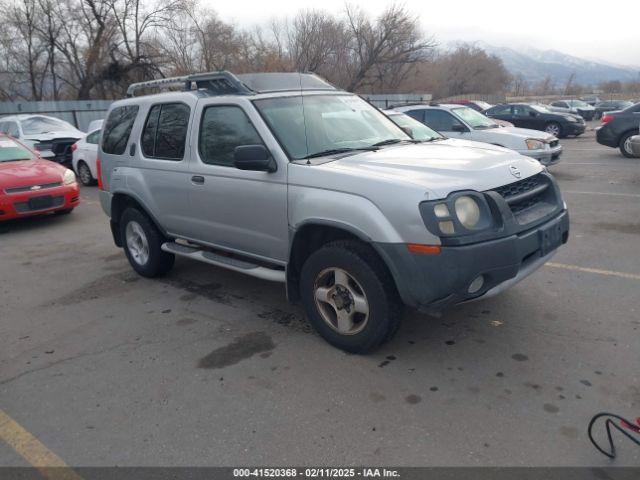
(30, 185)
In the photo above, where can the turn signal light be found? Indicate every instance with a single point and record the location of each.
(423, 249)
(74, 147)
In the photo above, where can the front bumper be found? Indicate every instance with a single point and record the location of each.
(574, 128)
(548, 156)
(19, 205)
(635, 145)
(431, 283)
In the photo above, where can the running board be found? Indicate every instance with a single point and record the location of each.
(229, 263)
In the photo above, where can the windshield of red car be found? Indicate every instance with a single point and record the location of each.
(11, 151)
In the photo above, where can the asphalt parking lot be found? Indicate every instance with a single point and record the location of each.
(208, 367)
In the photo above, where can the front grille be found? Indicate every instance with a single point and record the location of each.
(29, 206)
(29, 188)
(60, 147)
(529, 199)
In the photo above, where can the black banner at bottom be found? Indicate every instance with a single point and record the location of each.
(338, 473)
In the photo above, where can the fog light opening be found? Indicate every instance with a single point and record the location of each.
(476, 285)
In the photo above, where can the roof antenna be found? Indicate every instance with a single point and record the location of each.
(304, 118)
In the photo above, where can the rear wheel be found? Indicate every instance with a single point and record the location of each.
(350, 297)
(142, 243)
(625, 145)
(554, 129)
(84, 174)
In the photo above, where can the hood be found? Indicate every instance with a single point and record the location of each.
(523, 133)
(77, 134)
(29, 172)
(435, 168)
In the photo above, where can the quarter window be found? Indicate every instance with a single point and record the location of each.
(165, 132)
(118, 129)
(224, 128)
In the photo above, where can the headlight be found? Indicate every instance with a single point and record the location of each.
(461, 214)
(534, 144)
(467, 211)
(68, 177)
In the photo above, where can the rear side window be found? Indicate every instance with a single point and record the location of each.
(165, 132)
(223, 129)
(500, 110)
(93, 137)
(118, 129)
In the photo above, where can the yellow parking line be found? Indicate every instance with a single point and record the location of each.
(33, 451)
(611, 273)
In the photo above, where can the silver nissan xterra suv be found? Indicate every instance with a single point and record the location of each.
(284, 177)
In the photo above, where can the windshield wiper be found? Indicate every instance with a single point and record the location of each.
(334, 151)
(390, 141)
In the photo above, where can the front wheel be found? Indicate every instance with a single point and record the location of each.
(554, 129)
(350, 297)
(142, 243)
(625, 145)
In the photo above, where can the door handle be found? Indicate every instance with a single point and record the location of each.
(197, 180)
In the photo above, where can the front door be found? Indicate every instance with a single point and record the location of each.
(240, 210)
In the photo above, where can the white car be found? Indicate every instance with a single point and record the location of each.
(458, 121)
(51, 136)
(85, 153)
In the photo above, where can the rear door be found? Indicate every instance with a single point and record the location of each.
(161, 160)
(239, 210)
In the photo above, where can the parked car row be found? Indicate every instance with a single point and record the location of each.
(462, 122)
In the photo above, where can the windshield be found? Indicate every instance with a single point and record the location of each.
(313, 124)
(11, 151)
(540, 108)
(483, 105)
(475, 119)
(419, 131)
(35, 125)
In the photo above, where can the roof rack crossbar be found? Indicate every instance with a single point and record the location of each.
(220, 83)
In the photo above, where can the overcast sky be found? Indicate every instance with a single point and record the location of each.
(596, 30)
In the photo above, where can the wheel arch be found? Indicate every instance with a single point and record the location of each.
(120, 201)
(311, 236)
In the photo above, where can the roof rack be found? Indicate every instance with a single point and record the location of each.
(219, 83)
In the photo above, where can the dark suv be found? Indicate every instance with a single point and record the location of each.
(618, 128)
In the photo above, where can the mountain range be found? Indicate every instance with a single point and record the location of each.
(534, 65)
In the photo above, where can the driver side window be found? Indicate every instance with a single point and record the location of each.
(223, 128)
(440, 120)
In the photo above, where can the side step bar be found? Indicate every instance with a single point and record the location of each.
(229, 263)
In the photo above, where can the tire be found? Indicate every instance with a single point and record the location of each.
(367, 277)
(554, 128)
(625, 146)
(142, 242)
(66, 211)
(84, 174)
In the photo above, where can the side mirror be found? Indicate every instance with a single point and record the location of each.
(458, 127)
(253, 157)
